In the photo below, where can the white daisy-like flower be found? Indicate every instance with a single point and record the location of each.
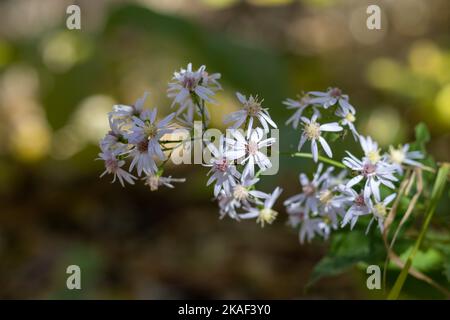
(370, 148)
(372, 173)
(330, 98)
(143, 158)
(263, 213)
(244, 191)
(146, 127)
(299, 106)
(357, 206)
(249, 150)
(348, 119)
(113, 166)
(308, 199)
(155, 181)
(223, 171)
(242, 194)
(402, 155)
(312, 131)
(252, 109)
(380, 211)
(188, 87)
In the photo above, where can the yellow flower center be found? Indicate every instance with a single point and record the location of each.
(374, 156)
(397, 155)
(253, 106)
(266, 215)
(153, 182)
(312, 130)
(240, 192)
(151, 131)
(350, 117)
(326, 196)
(380, 209)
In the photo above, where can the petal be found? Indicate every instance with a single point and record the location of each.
(326, 147)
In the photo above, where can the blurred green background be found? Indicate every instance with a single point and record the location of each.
(56, 86)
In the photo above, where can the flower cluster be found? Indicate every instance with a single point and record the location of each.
(330, 201)
(236, 159)
(365, 186)
(136, 134)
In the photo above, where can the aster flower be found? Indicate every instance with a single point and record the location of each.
(330, 205)
(143, 158)
(370, 148)
(242, 194)
(252, 109)
(347, 119)
(357, 206)
(248, 149)
(223, 171)
(330, 98)
(113, 166)
(312, 131)
(308, 199)
(380, 211)
(244, 191)
(402, 155)
(155, 181)
(264, 213)
(372, 173)
(188, 86)
(299, 106)
(146, 127)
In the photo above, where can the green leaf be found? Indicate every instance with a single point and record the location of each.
(331, 266)
(425, 260)
(346, 251)
(422, 134)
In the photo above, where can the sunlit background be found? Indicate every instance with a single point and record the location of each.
(56, 86)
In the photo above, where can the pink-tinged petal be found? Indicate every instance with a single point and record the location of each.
(389, 199)
(387, 183)
(318, 93)
(331, 127)
(250, 123)
(346, 106)
(249, 215)
(259, 194)
(374, 187)
(302, 142)
(326, 147)
(305, 120)
(241, 97)
(354, 181)
(314, 150)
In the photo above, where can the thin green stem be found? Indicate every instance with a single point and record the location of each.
(310, 156)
